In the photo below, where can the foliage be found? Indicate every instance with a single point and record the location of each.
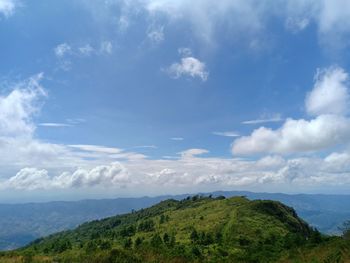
(346, 229)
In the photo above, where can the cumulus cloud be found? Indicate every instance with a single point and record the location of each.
(29, 179)
(296, 136)
(189, 66)
(18, 107)
(330, 94)
(7, 7)
(34, 179)
(328, 100)
(192, 171)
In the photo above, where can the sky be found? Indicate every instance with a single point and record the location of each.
(117, 98)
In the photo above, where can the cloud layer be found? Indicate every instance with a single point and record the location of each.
(240, 20)
(190, 171)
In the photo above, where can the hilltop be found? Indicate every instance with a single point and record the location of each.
(195, 229)
(22, 223)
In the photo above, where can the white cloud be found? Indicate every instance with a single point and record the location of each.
(156, 34)
(177, 138)
(7, 7)
(86, 50)
(192, 153)
(189, 66)
(227, 134)
(208, 16)
(76, 121)
(265, 119)
(67, 53)
(328, 101)
(106, 47)
(104, 175)
(123, 23)
(246, 21)
(145, 146)
(54, 124)
(150, 176)
(62, 49)
(185, 52)
(28, 179)
(296, 136)
(97, 148)
(18, 107)
(330, 94)
(296, 24)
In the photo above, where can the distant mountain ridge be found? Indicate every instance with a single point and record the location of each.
(22, 223)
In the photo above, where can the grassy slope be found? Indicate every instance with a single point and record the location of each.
(227, 230)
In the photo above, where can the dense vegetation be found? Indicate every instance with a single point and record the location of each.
(196, 229)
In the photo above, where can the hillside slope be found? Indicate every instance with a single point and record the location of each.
(23, 223)
(197, 229)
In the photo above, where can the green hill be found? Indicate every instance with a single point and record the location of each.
(197, 229)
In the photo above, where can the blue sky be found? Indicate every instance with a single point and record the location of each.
(146, 97)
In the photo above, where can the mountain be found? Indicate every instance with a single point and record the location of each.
(195, 229)
(325, 212)
(22, 223)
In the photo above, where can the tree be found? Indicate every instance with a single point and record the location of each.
(194, 236)
(138, 242)
(128, 231)
(146, 226)
(90, 246)
(162, 219)
(172, 240)
(156, 241)
(196, 251)
(105, 245)
(195, 197)
(128, 243)
(166, 238)
(345, 228)
(316, 236)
